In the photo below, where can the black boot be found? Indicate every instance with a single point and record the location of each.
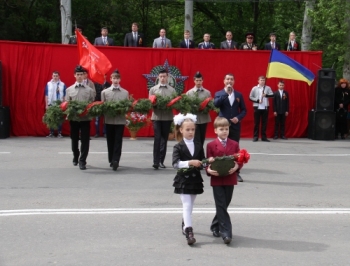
(189, 236)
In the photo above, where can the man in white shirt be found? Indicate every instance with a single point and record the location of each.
(259, 96)
(55, 90)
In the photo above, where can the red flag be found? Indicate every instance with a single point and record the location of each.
(92, 59)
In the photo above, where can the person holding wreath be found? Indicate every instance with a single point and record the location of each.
(114, 125)
(161, 120)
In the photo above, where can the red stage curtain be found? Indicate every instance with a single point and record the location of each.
(27, 67)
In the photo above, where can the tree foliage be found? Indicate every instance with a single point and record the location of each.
(39, 21)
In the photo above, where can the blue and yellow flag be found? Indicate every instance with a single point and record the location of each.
(282, 66)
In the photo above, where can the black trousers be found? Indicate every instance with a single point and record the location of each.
(280, 120)
(260, 114)
(234, 133)
(222, 220)
(84, 128)
(341, 124)
(114, 135)
(161, 134)
(201, 130)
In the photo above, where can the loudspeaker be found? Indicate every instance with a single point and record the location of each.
(4, 122)
(0, 83)
(325, 90)
(321, 125)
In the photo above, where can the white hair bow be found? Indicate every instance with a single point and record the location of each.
(178, 119)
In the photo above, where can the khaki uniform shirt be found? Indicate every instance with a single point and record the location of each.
(110, 95)
(203, 94)
(162, 115)
(81, 94)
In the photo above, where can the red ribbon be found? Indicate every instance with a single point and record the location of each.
(204, 103)
(153, 99)
(64, 106)
(89, 106)
(173, 101)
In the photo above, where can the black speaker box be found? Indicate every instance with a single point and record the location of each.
(0, 83)
(4, 122)
(325, 90)
(321, 125)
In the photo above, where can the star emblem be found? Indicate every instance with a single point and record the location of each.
(175, 79)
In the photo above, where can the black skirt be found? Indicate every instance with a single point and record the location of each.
(190, 182)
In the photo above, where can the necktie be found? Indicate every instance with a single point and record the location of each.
(273, 46)
(187, 43)
(162, 42)
(135, 36)
(115, 88)
(223, 142)
(229, 43)
(58, 92)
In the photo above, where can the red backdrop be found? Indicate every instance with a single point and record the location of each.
(27, 67)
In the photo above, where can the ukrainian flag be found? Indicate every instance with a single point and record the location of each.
(282, 66)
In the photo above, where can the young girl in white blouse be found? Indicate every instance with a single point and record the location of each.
(187, 159)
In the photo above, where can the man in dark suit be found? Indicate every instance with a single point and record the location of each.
(232, 107)
(229, 43)
(134, 38)
(292, 44)
(186, 42)
(206, 44)
(272, 45)
(280, 109)
(104, 40)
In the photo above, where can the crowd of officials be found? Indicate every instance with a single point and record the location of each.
(137, 39)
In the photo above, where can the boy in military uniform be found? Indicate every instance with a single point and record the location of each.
(83, 93)
(114, 125)
(202, 119)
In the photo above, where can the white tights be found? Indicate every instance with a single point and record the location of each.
(187, 208)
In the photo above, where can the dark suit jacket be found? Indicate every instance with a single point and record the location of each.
(209, 46)
(129, 40)
(288, 46)
(268, 46)
(99, 88)
(216, 149)
(280, 105)
(238, 108)
(183, 44)
(224, 45)
(99, 41)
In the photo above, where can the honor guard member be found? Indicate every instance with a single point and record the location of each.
(73, 38)
(161, 120)
(249, 42)
(206, 44)
(82, 93)
(202, 119)
(114, 125)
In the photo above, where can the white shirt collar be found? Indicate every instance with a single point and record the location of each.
(188, 141)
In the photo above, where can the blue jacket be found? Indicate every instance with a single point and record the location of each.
(238, 108)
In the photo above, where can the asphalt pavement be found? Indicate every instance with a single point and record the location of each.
(293, 207)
